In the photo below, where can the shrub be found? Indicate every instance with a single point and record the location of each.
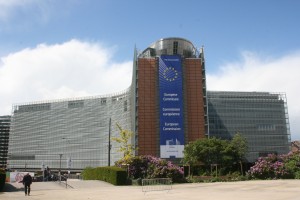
(153, 167)
(113, 175)
(275, 167)
(297, 175)
(291, 163)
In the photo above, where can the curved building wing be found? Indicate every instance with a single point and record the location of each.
(76, 129)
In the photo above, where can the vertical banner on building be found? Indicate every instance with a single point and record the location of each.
(171, 107)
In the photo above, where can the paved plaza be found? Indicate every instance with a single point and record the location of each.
(90, 190)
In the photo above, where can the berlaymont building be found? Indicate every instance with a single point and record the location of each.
(166, 107)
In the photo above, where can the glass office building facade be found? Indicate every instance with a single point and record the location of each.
(4, 138)
(76, 129)
(261, 117)
(166, 107)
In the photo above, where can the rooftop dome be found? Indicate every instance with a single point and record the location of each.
(171, 46)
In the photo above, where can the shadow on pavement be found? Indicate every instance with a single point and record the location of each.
(11, 188)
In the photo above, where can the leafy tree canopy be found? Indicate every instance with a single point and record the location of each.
(215, 151)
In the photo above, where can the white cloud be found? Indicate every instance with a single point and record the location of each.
(71, 69)
(8, 6)
(257, 73)
(31, 10)
(78, 69)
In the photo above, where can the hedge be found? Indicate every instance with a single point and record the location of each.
(113, 175)
(2, 179)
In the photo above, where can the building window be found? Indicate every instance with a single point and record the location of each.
(103, 101)
(175, 47)
(34, 107)
(125, 105)
(76, 104)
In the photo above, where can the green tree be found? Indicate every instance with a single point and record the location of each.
(215, 151)
(206, 151)
(124, 141)
(239, 147)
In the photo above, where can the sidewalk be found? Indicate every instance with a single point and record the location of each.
(246, 190)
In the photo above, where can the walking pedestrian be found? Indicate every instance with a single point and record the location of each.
(27, 180)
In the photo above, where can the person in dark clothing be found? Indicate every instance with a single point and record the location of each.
(27, 180)
(46, 175)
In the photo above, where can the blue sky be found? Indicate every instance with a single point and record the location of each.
(221, 26)
(53, 49)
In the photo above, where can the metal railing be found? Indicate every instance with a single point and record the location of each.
(62, 180)
(157, 184)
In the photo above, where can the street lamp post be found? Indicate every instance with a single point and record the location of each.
(43, 170)
(67, 155)
(60, 156)
(109, 145)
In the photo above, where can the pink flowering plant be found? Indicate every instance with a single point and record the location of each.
(276, 167)
(152, 167)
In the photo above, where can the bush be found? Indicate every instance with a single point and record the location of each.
(209, 179)
(297, 175)
(291, 163)
(153, 167)
(276, 167)
(2, 179)
(113, 175)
